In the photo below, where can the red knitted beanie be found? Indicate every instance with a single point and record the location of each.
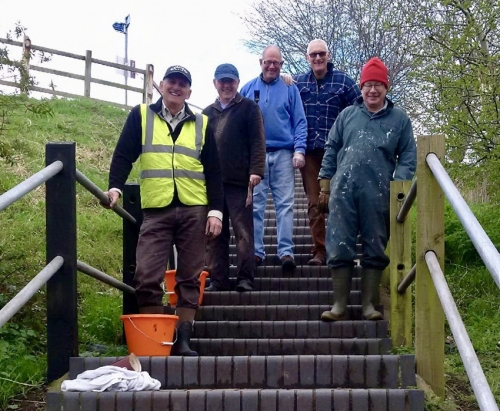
(374, 70)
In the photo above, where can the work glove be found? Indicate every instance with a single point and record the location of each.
(299, 160)
(324, 196)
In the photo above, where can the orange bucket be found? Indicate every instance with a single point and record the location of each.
(170, 286)
(149, 334)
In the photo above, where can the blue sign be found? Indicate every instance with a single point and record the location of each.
(120, 27)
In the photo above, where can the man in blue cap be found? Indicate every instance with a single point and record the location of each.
(239, 133)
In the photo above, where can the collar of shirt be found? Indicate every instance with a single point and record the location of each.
(173, 120)
(383, 108)
(223, 106)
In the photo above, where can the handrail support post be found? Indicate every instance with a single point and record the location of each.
(62, 316)
(429, 314)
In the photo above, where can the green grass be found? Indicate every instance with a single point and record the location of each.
(95, 129)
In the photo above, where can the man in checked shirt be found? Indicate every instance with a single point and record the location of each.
(325, 92)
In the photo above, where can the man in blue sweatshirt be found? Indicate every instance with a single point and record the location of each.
(285, 128)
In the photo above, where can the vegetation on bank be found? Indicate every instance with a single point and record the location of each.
(95, 129)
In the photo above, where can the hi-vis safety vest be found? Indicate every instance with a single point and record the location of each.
(164, 163)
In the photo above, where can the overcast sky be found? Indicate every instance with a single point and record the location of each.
(198, 34)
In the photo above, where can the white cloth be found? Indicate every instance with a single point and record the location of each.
(111, 378)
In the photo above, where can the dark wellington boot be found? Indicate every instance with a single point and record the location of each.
(181, 345)
(370, 283)
(341, 278)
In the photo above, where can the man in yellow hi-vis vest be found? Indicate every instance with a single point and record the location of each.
(181, 196)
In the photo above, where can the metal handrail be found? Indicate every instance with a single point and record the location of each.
(37, 179)
(477, 379)
(409, 200)
(23, 296)
(410, 277)
(476, 233)
(105, 278)
(103, 198)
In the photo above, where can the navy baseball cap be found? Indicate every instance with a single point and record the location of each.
(226, 70)
(178, 70)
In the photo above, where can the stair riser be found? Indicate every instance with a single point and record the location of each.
(295, 284)
(244, 400)
(274, 298)
(296, 346)
(271, 313)
(316, 371)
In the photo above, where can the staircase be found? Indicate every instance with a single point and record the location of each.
(267, 350)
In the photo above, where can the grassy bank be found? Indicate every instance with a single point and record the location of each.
(95, 129)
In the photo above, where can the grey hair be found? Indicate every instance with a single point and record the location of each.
(270, 47)
(323, 42)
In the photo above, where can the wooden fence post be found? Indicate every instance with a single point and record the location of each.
(400, 254)
(88, 70)
(429, 315)
(148, 84)
(25, 71)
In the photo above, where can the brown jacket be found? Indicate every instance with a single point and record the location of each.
(239, 134)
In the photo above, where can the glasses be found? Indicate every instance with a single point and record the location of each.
(269, 63)
(320, 54)
(377, 87)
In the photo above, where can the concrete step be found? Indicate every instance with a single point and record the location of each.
(290, 329)
(241, 400)
(271, 312)
(215, 298)
(283, 371)
(291, 346)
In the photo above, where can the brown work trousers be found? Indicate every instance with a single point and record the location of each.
(310, 182)
(218, 249)
(184, 227)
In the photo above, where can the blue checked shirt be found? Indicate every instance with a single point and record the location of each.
(323, 105)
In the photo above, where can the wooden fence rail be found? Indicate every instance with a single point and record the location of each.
(148, 72)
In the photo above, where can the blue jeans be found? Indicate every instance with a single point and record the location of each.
(280, 178)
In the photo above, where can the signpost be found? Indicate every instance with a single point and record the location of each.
(123, 28)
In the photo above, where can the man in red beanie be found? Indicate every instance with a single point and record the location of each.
(370, 144)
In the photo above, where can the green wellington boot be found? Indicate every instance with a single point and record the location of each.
(370, 284)
(341, 278)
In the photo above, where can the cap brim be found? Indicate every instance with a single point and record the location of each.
(178, 73)
(223, 75)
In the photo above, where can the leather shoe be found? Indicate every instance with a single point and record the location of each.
(287, 262)
(317, 260)
(243, 286)
(258, 260)
(213, 287)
